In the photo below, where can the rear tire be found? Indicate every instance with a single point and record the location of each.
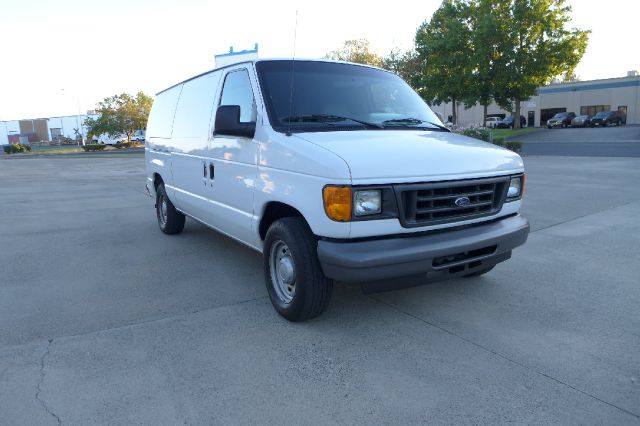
(170, 220)
(295, 282)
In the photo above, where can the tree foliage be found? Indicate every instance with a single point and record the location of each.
(404, 64)
(487, 58)
(120, 114)
(357, 51)
(536, 47)
(444, 47)
(477, 51)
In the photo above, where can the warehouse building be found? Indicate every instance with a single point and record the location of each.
(582, 97)
(53, 129)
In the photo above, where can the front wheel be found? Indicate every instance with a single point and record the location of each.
(170, 220)
(295, 282)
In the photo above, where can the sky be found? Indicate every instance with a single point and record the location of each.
(62, 57)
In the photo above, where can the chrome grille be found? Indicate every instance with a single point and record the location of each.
(433, 203)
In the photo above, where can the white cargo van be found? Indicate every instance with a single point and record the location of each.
(334, 171)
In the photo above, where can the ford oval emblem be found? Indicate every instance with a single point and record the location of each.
(462, 201)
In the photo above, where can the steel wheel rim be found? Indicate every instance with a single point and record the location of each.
(163, 211)
(283, 272)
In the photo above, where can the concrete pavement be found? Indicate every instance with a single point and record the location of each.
(105, 320)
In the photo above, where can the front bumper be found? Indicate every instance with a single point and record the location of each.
(457, 252)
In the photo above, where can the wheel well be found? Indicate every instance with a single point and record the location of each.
(157, 180)
(273, 212)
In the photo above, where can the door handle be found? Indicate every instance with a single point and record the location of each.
(212, 171)
(204, 169)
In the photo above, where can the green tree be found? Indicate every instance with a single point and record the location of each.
(487, 60)
(535, 47)
(404, 64)
(357, 51)
(120, 114)
(444, 47)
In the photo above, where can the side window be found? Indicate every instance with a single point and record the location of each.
(237, 91)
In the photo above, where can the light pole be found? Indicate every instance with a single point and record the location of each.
(62, 119)
(80, 128)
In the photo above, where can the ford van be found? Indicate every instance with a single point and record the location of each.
(333, 171)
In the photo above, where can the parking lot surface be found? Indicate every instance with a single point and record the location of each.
(620, 141)
(105, 320)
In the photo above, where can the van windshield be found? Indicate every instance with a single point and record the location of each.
(327, 96)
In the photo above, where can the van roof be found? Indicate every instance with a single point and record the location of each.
(267, 60)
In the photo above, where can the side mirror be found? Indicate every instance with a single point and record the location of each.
(228, 123)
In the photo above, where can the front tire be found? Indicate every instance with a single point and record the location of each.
(170, 220)
(295, 282)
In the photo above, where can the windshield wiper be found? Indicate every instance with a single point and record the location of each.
(410, 120)
(328, 118)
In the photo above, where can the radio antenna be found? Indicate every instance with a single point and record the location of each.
(293, 65)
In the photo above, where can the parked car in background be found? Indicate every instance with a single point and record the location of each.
(492, 122)
(507, 122)
(138, 136)
(106, 139)
(561, 119)
(606, 118)
(581, 121)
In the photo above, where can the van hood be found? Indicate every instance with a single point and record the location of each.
(415, 155)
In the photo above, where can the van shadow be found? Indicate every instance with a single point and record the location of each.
(241, 270)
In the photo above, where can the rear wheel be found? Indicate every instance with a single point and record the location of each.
(296, 284)
(170, 220)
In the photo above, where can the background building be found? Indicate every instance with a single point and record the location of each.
(582, 97)
(35, 130)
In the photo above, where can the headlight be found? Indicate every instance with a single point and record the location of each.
(516, 188)
(367, 202)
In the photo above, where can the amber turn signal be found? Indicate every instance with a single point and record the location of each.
(337, 202)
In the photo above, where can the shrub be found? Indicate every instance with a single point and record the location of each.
(514, 146)
(94, 147)
(482, 134)
(15, 149)
(121, 145)
(485, 135)
(498, 141)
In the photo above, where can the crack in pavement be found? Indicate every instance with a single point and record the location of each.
(170, 317)
(498, 354)
(39, 390)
